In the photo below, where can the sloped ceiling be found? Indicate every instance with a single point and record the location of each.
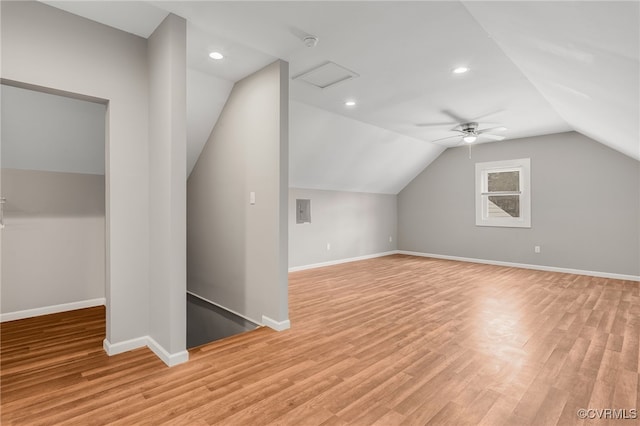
(582, 57)
(203, 110)
(536, 68)
(332, 151)
(135, 17)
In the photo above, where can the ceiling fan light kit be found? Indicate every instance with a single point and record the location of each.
(469, 133)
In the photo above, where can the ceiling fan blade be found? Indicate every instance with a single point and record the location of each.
(455, 116)
(448, 142)
(436, 124)
(487, 123)
(492, 129)
(490, 136)
(448, 145)
(489, 114)
(448, 137)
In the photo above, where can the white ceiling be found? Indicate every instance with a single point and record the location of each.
(206, 95)
(585, 62)
(332, 151)
(536, 68)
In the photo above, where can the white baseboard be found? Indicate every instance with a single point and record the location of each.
(146, 341)
(339, 261)
(109, 348)
(276, 325)
(125, 346)
(166, 357)
(46, 310)
(525, 266)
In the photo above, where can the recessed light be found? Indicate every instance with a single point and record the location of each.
(216, 55)
(460, 70)
(350, 103)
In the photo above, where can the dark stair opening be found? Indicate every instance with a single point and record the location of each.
(207, 322)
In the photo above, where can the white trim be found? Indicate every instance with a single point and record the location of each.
(46, 310)
(339, 261)
(276, 325)
(523, 166)
(126, 346)
(169, 359)
(146, 341)
(527, 266)
(110, 348)
(257, 323)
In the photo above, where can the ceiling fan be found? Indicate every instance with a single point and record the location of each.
(469, 133)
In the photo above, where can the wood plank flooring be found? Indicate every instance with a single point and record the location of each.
(394, 340)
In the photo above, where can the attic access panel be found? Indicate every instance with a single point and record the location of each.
(327, 75)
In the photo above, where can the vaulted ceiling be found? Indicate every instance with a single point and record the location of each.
(535, 68)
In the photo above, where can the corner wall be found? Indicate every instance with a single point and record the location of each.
(167, 49)
(58, 51)
(354, 224)
(236, 250)
(585, 207)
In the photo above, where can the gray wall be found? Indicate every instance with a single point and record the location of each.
(236, 252)
(353, 223)
(54, 242)
(54, 239)
(53, 49)
(167, 184)
(585, 207)
(41, 131)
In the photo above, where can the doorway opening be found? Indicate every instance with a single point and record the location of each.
(52, 180)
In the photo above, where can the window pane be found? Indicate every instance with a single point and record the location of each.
(503, 193)
(503, 181)
(504, 206)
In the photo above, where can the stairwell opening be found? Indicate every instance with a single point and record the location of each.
(207, 322)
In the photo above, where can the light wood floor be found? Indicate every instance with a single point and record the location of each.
(394, 340)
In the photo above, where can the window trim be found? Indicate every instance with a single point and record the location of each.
(523, 165)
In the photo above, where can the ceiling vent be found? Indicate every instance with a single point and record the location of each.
(326, 75)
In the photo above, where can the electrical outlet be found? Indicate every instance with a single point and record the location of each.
(390, 239)
(536, 249)
(328, 246)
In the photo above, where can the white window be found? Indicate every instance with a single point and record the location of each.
(503, 193)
